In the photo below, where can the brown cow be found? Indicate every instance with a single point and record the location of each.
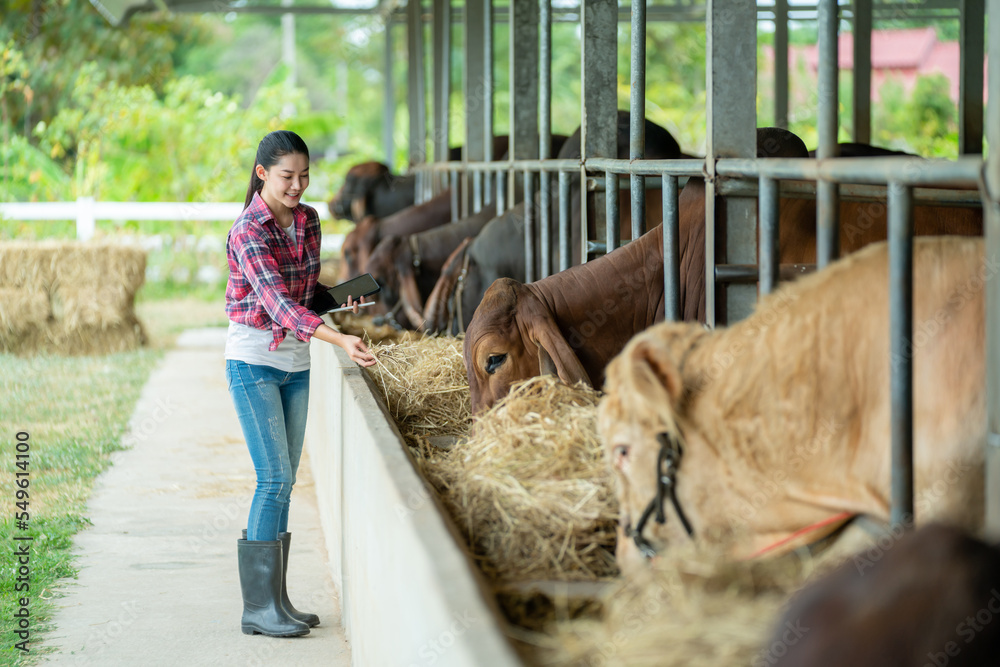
(569, 324)
(498, 251)
(370, 188)
(781, 421)
(408, 267)
(361, 241)
(931, 598)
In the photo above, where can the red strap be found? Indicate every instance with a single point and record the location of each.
(816, 526)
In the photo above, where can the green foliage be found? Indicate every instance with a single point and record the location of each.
(125, 143)
(925, 122)
(28, 174)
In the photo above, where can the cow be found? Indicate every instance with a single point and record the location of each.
(359, 243)
(928, 597)
(855, 149)
(772, 433)
(370, 188)
(407, 267)
(499, 249)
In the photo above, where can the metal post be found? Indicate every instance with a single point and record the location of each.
(637, 115)
(389, 99)
(523, 80)
(599, 113)
(970, 103)
(901, 360)
(732, 120)
(768, 235)
(613, 213)
(475, 88)
(565, 251)
(827, 193)
(488, 96)
(415, 92)
(442, 77)
(529, 228)
(671, 251)
(991, 204)
(862, 97)
(781, 63)
(545, 133)
(455, 204)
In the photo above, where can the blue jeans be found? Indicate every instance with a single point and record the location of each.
(271, 405)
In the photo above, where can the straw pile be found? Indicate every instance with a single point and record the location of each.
(691, 609)
(365, 327)
(528, 485)
(69, 297)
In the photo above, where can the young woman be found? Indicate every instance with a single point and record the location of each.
(273, 251)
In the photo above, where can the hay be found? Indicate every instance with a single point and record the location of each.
(89, 291)
(424, 386)
(365, 327)
(691, 609)
(531, 489)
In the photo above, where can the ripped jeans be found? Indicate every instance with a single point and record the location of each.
(271, 406)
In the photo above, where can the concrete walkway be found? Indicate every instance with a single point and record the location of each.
(158, 583)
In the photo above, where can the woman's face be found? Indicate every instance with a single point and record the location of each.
(286, 180)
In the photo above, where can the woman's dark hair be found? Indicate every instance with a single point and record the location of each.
(272, 148)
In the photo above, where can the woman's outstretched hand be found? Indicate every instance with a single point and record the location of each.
(357, 350)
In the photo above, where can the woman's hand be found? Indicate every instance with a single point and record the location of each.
(352, 304)
(357, 350)
(353, 345)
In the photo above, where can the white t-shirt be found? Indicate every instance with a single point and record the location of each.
(251, 345)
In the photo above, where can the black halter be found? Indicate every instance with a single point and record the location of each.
(667, 464)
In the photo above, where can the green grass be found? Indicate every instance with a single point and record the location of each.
(76, 410)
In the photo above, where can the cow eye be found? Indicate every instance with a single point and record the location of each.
(493, 362)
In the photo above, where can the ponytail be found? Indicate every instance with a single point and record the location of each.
(272, 148)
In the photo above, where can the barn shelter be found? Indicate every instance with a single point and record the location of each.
(737, 262)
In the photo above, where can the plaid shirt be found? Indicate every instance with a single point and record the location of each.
(269, 281)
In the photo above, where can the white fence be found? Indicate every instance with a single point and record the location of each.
(86, 212)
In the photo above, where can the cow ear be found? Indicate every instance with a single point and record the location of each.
(652, 357)
(555, 357)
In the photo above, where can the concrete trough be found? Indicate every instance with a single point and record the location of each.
(410, 594)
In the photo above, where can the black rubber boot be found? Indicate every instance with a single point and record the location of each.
(312, 620)
(260, 565)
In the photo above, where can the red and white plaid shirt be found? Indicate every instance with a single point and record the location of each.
(270, 281)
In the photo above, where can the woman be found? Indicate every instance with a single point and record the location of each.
(273, 251)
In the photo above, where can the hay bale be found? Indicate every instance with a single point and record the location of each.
(90, 293)
(691, 609)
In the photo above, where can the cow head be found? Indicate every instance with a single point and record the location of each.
(645, 396)
(357, 247)
(391, 264)
(513, 337)
(352, 201)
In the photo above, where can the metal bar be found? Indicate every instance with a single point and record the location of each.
(455, 215)
(613, 212)
(749, 274)
(827, 205)
(856, 193)
(781, 63)
(488, 96)
(970, 96)
(991, 175)
(524, 79)
(388, 99)
(599, 112)
(416, 102)
(477, 191)
(637, 114)
(545, 224)
(529, 228)
(861, 111)
(875, 170)
(565, 249)
(501, 192)
(442, 77)
(474, 85)
(768, 235)
(732, 120)
(671, 251)
(901, 360)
